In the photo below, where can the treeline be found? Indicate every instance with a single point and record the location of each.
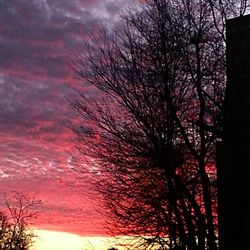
(17, 212)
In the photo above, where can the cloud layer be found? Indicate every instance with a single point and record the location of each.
(37, 37)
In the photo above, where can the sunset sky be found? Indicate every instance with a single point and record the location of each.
(36, 42)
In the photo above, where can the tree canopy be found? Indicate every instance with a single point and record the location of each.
(159, 83)
(14, 231)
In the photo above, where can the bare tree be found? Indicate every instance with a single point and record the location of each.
(14, 231)
(160, 83)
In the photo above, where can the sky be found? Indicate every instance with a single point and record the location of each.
(51, 240)
(36, 79)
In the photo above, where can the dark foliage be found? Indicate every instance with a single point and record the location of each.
(160, 81)
(14, 231)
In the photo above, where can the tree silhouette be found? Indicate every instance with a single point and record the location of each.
(160, 81)
(14, 231)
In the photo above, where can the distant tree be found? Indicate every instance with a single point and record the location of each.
(14, 231)
(160, 82)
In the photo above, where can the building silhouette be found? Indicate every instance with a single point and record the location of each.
(233, 154)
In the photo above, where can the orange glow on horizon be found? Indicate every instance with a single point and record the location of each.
(54, 240)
